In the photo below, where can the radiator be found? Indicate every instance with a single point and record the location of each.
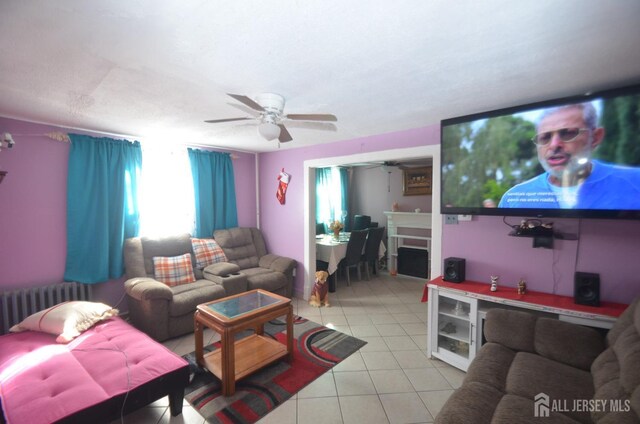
(16, 305)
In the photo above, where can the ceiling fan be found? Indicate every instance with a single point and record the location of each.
(387, 164)
(270, 119)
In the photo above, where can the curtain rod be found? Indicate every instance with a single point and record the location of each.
(62, 136)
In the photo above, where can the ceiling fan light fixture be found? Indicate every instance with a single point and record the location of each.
(269, 130)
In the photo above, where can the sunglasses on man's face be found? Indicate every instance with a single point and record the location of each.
(566, 135)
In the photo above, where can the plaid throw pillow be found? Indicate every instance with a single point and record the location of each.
(207, 252)
(173, 271)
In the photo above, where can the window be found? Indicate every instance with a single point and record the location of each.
(331, 195)
(166, 193)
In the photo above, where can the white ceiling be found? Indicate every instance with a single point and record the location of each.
(156, 69)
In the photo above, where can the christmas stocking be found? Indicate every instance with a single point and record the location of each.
(282, 186)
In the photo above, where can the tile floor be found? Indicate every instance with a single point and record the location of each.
(390, 380)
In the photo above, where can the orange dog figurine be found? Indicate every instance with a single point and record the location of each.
(320, 292)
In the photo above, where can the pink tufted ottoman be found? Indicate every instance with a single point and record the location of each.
(89, 379)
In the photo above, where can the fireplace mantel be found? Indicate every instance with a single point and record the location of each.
(396, 220)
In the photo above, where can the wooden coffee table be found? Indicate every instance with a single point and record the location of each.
(230, 315)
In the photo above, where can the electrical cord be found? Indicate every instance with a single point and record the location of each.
(126, 359)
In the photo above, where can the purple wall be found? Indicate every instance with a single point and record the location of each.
(33, 209)
(283, 225)
(606, 247)
(609, 248)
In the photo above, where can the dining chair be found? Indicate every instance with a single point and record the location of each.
(361, 222)
(354, 253)
(320, 228)
(371, 249)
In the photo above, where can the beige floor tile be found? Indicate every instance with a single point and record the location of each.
(144, 415)
(406, 317)
(364, 330)
(453, 375)
(354, 310)
(427, 379)
(391, 381)
(374, 344)
(334, 320)
(382, 318)
(324, 386)
(391, 330)
(399, 309)
(319, 411)
(344, 329)
(287, 413)
(352, 363)
(415, 328)
(408, 359)
(354, 383)
(362, 409)
(189, 415)
(332, 310)
(358, 319)
(396, 343)
(404, 408)
(380, 361)
(420, 341)
(435, 400)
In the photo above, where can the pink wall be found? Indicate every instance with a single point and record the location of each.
(33, 209)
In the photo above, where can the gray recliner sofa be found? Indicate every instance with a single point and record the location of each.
(245, 248)
(563, 373)
(164, 312)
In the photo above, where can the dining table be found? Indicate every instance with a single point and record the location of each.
(332, 250)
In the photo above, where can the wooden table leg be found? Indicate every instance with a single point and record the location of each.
(198, 338)
(228, 363)
(290, 333)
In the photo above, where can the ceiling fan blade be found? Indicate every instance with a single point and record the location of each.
(215, 121)
(312, 125)
(312, 117)
(247, 101)
(284, 134)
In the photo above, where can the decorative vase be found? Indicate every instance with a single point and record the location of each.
(336, 234)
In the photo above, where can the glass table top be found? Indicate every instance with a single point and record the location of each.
(243, 304)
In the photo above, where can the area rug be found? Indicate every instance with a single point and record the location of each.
(317, 349)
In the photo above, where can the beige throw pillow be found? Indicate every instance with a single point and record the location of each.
(67, 320)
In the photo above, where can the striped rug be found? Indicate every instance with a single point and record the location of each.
(317, 349)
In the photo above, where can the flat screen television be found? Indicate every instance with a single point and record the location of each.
(569, 157)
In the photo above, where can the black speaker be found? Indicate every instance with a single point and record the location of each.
(586, 289)
(454, 270)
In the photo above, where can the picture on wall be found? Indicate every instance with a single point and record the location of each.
(417, 181)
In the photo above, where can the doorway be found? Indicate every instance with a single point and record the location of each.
(430, 151)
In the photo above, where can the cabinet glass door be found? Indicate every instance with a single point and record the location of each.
(455, 325)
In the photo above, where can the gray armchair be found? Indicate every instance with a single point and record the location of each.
(155, 308)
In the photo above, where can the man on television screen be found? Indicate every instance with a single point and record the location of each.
(565, 138)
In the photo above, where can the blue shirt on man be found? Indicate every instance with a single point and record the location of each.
(607, 187)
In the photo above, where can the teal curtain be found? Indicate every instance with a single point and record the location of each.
(344, 194)
(102, 206)
(214, 191)
(332, 195)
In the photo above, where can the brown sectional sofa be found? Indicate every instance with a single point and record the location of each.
(164, 312)
(573, 366)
